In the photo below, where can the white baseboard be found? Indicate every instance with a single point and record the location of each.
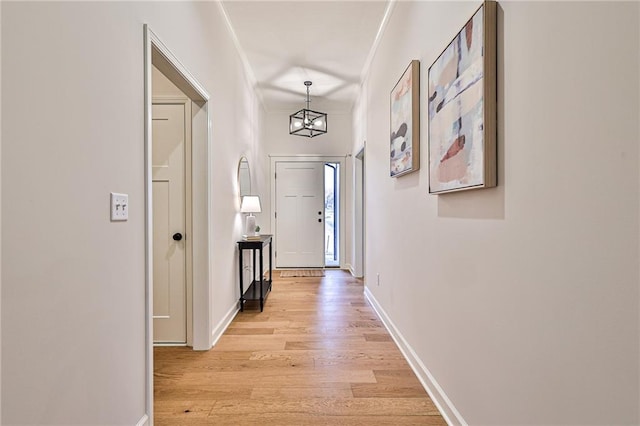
(144, 421)
(168, 344)
(440, 399)
(349, 267)
(222, 326)
(352, 271)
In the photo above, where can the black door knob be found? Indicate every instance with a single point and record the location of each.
(319, 220)
(177, 236)
(319, 212)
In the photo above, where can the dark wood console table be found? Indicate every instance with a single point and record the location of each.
(259, 287)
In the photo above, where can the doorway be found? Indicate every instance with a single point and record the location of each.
(307, 200)
(157, 55)
(359, 214)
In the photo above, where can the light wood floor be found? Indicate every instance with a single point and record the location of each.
(317, 355)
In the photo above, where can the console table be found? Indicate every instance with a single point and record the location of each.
(259, 287)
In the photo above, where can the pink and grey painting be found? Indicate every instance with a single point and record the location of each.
(456, 111)
(402, 110)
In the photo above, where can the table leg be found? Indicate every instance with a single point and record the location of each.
(270, 263)
(253, 266)
(241, 283)
(261, 280)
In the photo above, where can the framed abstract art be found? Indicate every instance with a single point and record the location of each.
(405, 122)
(462, 108)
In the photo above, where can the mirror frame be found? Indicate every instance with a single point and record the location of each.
(241, 176)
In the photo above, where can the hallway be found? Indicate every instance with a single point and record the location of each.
(317, 355)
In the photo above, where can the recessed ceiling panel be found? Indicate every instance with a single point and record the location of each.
(288, 42)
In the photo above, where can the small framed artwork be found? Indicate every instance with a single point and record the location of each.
(462, 108)
(405, 122)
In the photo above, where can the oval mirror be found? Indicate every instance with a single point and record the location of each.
(244, 177)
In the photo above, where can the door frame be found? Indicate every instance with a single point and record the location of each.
(304, 158)
(359, 213)
(157, 54)
(188, 211)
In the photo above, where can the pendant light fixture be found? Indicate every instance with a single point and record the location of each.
(307, 122)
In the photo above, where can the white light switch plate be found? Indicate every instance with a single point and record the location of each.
(119, 206)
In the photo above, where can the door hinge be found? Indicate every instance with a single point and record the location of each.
(275, 214)
(276, 253)
(275, 175)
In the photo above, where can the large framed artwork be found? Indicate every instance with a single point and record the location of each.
(405, 122)
(462, 108)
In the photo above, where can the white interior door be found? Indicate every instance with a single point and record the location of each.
(299, 214)
(169, 262)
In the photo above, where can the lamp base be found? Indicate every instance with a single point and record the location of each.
(250, 226)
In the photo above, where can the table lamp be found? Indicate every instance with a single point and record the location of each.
(250, 204)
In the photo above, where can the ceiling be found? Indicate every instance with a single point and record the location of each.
(285, 43)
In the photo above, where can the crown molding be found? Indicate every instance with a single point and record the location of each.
(376, 42)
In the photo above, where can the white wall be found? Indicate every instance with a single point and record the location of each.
(358, 222)
(73, 346)
(521, 301)
(278, 142)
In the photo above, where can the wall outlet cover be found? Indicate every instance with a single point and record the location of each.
(119, 206)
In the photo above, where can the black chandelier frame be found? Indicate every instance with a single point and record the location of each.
(307, 122)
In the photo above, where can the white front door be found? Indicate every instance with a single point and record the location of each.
(169, 270)
(299, 214)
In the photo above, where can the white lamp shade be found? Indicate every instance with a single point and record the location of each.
(250, 204)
